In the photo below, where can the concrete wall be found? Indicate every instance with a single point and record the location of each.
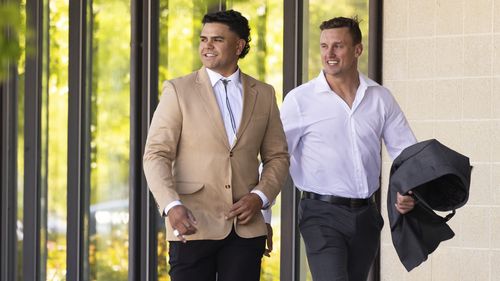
(441, 60)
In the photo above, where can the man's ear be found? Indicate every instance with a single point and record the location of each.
(240, 46)
(358, 50)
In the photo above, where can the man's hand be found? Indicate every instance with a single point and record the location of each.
(269, 241)
(182, 220)
(404, 203)
(245, 208)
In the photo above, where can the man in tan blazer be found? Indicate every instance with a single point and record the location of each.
(202, 157)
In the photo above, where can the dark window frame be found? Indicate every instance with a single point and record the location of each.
(8, 173)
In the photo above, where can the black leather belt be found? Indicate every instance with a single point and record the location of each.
(332, 199)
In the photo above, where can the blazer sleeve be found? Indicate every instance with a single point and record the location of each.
(161, 147)
(274, 154)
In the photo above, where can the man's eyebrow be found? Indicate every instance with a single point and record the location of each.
(212, 37)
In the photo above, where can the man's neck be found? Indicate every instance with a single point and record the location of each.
(344, 86)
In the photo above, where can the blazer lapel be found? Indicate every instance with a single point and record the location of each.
(206, 93)
(249, 99)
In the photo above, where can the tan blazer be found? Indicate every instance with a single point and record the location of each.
(188, 157)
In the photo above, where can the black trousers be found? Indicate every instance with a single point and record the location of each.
(341, 242)
(230, 259)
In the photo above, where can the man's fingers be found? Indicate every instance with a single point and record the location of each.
(267, 253)
(269, 241)
(245, 216)
(192, 218)
(190, 223)
(244, 219)
(403, 209)
(182, 220)
(236, 210)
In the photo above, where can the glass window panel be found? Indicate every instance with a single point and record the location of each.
(179, 33)
(265, 59)
(44, 141)
(265, 62)
(110, 139)
(56, 140)
(315, 12)
(20, 140)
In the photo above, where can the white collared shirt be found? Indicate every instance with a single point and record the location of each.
(334, 149)
(235, 96)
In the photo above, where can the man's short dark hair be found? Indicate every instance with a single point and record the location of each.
(351, 23)
(236, 23)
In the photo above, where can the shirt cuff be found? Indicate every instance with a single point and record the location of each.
(170, 206)
(267, 214)
(263, 197)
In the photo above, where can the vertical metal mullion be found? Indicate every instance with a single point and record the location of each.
(32, 143)
(8, 176)
(292, 77)
(78, 176)
(136, 256)
(8, 168)
(375, 43)
(375, 40)
(149, 102)
(143, 99)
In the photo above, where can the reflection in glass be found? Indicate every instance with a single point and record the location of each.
(44, 143)
(110, 138)
(315, 12)
(56, 132)
(20, 139)
(179, 29)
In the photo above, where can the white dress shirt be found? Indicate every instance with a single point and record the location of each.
(334, 149)
(235, 97)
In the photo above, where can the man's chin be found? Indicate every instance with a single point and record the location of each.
(329, 71)
(208, 64)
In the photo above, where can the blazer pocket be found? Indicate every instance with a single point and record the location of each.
(189, 187)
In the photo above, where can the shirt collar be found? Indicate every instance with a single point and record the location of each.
(216, 77)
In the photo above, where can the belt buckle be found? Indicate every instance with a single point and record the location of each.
(355, 203)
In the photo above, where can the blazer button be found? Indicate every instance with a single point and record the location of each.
(230, 154)
(228, 186)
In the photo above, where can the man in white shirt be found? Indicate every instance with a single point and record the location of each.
(334, 126)
(201, 159)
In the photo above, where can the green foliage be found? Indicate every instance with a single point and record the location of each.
(110, 99)
(10, 27)
(108, 256)
(56, 257)
(55, 108)
(265, 59)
